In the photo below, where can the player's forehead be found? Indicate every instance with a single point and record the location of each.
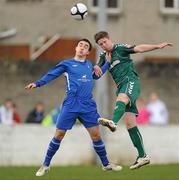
(83, 43)
(102, 40)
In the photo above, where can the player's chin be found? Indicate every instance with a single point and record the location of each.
(105, 49)
(81, 55)
(108, 50)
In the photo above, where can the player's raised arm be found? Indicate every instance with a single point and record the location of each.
(150, 47)
(51, 75)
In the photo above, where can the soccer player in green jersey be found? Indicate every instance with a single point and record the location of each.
(128, 87)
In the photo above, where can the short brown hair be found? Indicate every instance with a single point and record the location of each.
(86, 40)
(100, 35)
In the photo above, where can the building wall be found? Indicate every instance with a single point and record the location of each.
(15, 52)
(27, 145)
(140, 22)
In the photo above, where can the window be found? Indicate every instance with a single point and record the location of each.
(169, 6)
(114, 7)
(169, 3)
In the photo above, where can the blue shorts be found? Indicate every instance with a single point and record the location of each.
(66, 119)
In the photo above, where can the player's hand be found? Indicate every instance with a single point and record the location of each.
(164, 44)
(97, 70)
(30, 86)
(108, 56)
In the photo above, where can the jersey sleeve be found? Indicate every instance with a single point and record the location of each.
(129, 49)
(101, 61)
(104, 68)
(51, 74)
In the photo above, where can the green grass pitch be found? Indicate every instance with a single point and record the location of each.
(151, 172)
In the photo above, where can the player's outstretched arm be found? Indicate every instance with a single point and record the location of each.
(150, 47)
(51, 75)
(30, 86)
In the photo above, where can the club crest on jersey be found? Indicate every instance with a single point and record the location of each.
(84, 78)
(74, 65)
(115, 107)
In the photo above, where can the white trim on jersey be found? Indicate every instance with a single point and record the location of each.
(67, 78)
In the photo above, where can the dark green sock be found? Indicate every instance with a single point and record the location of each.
(137, 140)
(118, 111)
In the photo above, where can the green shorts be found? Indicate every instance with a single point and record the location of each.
(131, 87)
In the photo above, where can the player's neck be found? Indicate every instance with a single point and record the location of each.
(110, 48)
(80, 58)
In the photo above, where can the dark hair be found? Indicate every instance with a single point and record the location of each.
(39, 103)
(100, 35)
(86, 40)
(8, 100)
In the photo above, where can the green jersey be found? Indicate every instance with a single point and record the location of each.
(121, 64)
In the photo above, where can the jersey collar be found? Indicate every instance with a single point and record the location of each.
(80, 60)
(114, 47)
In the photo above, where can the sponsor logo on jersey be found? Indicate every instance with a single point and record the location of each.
(115, 63)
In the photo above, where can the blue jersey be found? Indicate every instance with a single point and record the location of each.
(79, 83)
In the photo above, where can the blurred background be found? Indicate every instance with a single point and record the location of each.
(37, 34)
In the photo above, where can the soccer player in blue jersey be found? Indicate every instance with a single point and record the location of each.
(78, 103)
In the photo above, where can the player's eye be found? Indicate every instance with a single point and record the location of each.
(100, 44)
(86, 46)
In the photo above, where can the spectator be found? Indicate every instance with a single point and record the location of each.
(158, 111)
(6, 112)
(37, 114)
(51, 118)
(16, 116)
(143, 117)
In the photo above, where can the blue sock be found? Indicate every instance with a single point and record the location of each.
(52, 149)
(101, 151)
